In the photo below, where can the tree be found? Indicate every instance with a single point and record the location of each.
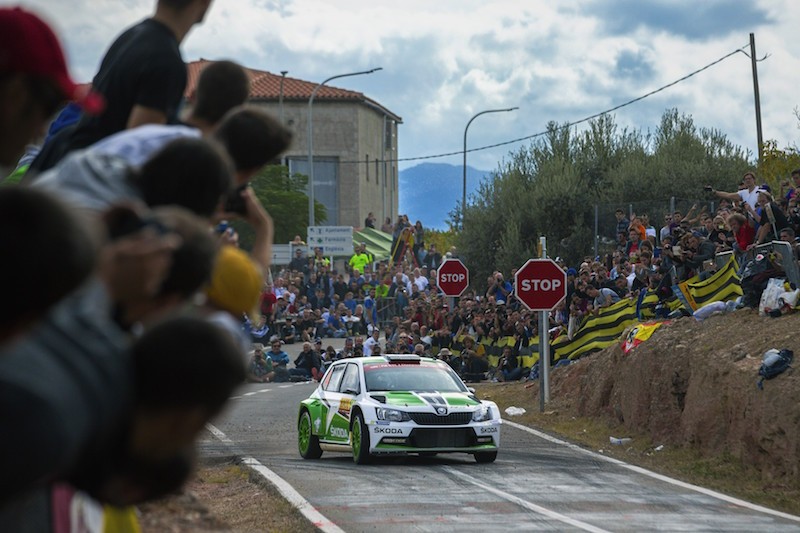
(550, 187)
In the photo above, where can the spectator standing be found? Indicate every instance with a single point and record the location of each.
(369, 222)
(387, 226)
(770, 217)
(747, 194)
(372, 341)
(34, 81)
(419, 241)
(142, 79)
(622, 222)
(666, 229)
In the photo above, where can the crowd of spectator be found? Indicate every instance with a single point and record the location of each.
(121, 319)
(397, 307)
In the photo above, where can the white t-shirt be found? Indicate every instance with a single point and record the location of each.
(368, 345)
(751, 197)
(137, 145)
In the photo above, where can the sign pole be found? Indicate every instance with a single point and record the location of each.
(544, 346)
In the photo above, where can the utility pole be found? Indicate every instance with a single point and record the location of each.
(757, 97)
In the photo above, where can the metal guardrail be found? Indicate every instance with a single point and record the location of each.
(782, 249)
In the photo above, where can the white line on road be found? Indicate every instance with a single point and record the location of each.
(640, 470)
(526, 504)
(287, 491)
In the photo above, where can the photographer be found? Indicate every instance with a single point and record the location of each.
(499, 288)
(509, 366)
(474, 365)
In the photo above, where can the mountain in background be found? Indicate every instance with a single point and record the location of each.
(429, 191)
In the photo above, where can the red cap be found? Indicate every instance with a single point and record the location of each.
(29, 46)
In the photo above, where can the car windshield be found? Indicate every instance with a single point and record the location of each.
(413, 377)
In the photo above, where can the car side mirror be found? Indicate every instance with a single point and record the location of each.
(351, 392)
(471, 389)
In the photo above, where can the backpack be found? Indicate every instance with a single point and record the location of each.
(755, 277)
(774, 363)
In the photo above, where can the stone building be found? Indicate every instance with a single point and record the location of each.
(354, 143)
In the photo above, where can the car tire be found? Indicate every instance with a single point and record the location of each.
(359, 436)
(307, 442)
(485, 457)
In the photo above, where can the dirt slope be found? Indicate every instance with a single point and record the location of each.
(694, 384)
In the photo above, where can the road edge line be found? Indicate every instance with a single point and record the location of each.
(655, 475)
(281, 485)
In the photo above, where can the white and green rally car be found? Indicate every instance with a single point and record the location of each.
(396, 404)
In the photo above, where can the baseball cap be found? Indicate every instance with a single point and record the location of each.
(29, 46)
(236, 281)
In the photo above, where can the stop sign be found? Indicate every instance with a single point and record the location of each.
(452, 277)
(540, 284)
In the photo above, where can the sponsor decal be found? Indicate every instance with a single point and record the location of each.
(339, 433)
(489, 430)
(317, 423)
(388, 431)
(344, 407)
(382, 422)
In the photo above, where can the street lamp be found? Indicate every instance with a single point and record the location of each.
(464, 192)
(311, 139)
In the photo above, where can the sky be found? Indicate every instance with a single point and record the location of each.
(444, 61)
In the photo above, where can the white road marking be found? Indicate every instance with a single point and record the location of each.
(250, 393)
(523, 503)
(643, 471)
(287, 491)
(286, 386)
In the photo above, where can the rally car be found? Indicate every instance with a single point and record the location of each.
(396, 404)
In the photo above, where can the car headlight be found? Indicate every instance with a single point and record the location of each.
(393, 415)
(482, 414)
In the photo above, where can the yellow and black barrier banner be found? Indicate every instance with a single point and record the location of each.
(604, 329)
(492, 349)
(724, 285)
(597, 331)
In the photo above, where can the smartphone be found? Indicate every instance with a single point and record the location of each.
(234, 202)
(676, 250)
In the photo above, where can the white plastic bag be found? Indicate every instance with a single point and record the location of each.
(515, 411)
(770, 298)
(710, 309)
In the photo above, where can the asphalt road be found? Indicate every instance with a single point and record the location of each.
(536, 484)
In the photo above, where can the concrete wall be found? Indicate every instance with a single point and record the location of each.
(354, 133)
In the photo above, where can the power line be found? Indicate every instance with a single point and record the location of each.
(574, 123)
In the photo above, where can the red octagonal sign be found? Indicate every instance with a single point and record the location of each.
(452, 277)
(540, 284)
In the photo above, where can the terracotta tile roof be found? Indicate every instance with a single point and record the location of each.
(266, 86)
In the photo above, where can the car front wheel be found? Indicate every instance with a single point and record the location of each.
(359, 436)
(307, 442)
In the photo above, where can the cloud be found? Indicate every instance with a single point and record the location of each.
(693, 20)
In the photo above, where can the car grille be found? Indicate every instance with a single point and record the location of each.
(442, 438)
(451, 419)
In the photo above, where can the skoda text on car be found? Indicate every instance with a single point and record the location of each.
(396, 404)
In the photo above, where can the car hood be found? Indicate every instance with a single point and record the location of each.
(413, 399)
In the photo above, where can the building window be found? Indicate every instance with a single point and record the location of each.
(326, 183)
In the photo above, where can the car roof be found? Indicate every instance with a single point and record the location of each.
(387, 358)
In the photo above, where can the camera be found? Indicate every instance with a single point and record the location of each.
(122, 221)
(708, 188)
(234, 202)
